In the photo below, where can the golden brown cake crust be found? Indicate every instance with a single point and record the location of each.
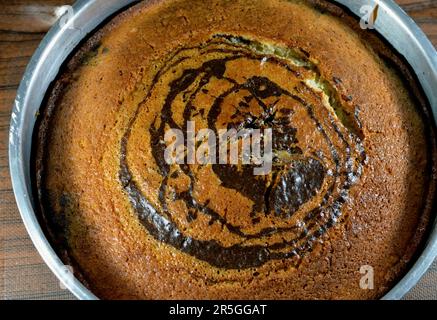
(99, 172)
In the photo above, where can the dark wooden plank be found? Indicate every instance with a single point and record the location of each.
(23, 274)
(29, 16)
(424, 12)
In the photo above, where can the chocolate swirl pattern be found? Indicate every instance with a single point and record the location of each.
(223, 214)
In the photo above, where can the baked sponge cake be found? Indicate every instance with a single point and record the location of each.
(351, 182)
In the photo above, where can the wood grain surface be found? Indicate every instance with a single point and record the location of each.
(23, 23)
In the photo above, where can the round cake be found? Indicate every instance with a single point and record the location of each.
(323, 188)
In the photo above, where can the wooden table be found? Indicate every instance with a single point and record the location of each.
(23, 23)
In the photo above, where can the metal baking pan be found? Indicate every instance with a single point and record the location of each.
(85, 16)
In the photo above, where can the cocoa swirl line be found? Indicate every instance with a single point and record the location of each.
(161, 225)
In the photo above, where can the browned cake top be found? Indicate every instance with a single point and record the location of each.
(352, 154)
